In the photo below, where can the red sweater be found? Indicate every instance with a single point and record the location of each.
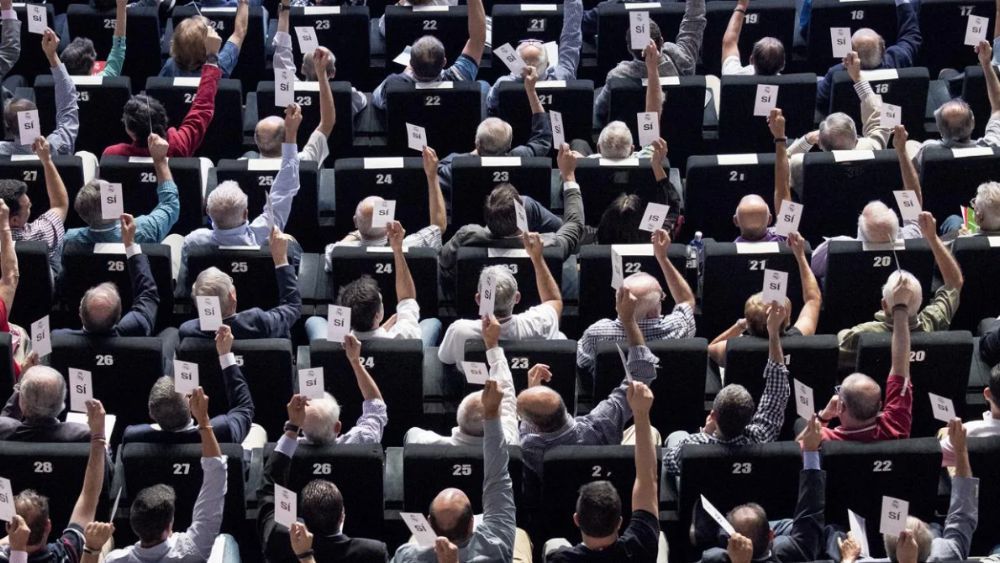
(186, 139)
(5, 327)
(892, 424)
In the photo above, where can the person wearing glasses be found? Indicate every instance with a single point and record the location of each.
(985, 219)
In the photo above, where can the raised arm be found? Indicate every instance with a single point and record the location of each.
(477, 31)
(10, 41)
(812, 298)
(690, 35)
(9, 274)
(121, 13)
(283, 16)
(530, 76)
(644, 491)
(963, 509)
(327, 111)
(656, 161)
(369, 389)
(901, 296)
(63, 137)
(289, 298)
(116, 57)
(241, 407)
(654, 93)
(775, 318)
(199, 411)
(985, 52)
(206, 518)
(241, 24)
(731, 38)
(679, 289)
(500, 372)
(951, 273)
(93, 477)
(58, 198)
(548, 289)
(435, 198)
(871, 104)
(405, 289)
(782, 180)
(189, 136)
(911, 181)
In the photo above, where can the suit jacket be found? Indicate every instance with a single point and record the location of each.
(256, 322)
(277, 547)
(141, 318)
(42, 430)
(231, 427)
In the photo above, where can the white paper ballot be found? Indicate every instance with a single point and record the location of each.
(338, 323)
(403, 58)
(975, 30)
(384, 213)
(308, 43)
(81, 389)
(420, 528)
(617, 270)
(653, 218)
(284, 87)
(7, 511)
(943, 407)
(624, 358)
(558, 130)
(28, 126)
(767, 99)
(118, 497)
(209, 312)
(552, 53)
(476, 373)
(890, 116)
(717, 516)
(185, 377)
(285, 506)
(311, 383)
(38, 19)
(894, 513)
(804, 405)
(788, 218)
(511, 58)
(41, 339)
(81, 418)
(521, 216)
(639, 29)
(649, 127)
(416, 137)
(909, 206)
(487, 296)
(112, 205)
(775, 286)
(840, 38)
(858, 530)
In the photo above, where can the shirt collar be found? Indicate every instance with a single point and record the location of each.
(155, 553)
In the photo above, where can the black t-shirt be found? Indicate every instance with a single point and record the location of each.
(639, 542)
(67, 549)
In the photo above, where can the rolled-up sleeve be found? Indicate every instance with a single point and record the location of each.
(207, 517)
(371, 423)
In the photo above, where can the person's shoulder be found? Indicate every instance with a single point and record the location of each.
(464, 327)
(367, 547)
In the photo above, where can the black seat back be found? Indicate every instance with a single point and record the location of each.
(28, 169)
(400, 179)
(903, 87)
(450, 112)
(35, 288)
(405, 24)
(601, 181)
(768, 18)
(979, 259)
(741, 131)
(879, 15)
(574, 99)
(949, 177)
(251, 268)
(716, 184)
(472, 260)
(100, 101)
(559, 355)
(474, 177)
(613, 24)
(352, 262)
(343, 30)
(946, 21)
(142, 35)
(138, 180)
(224, 137)
(252, 65)
(307, 96)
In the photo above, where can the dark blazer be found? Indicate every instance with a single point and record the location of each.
(231, 427)
(141, 318)
(989, 345)
(13, 428)
(277, 547)
(256, 322)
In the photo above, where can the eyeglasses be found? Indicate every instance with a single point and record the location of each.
(972, 202)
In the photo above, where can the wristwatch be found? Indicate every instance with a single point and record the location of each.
(289, 427)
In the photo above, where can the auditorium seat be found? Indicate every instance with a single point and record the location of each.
(559, 355)
(602, 180)
(138, 180)
(766, 18)
(474, 177)
(224, 138)
(449, 112)
(514, 23)
(397, 178)
(35, 290)
(27, 168)
(142, 35)
(978, 257)
(574, 99)
(904, 87)
(984, 455)
(879, 15)
(949, 177)
(945, 21)
(406, 24)
(252, 64)
(613, 25)
(251, 268)
(352, 262)
(343, 30)
(32, 61)
(714, 186)
(974, 93)
(741, 131)
(341, 139)
(472, 260)
(101, 101)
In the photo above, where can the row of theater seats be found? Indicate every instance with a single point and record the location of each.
(377, 483)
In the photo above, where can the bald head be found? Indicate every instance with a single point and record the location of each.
(100, 308)
(647, 290)
(861, 400)
(752, 217)
(955, 121)
(268, 135)
(534, 55)
(363, 218)
(451, 515)
(542, 408)
(750, 520)
(878, 223)
(870, 47)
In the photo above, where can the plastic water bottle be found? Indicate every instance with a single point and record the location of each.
(695, 252)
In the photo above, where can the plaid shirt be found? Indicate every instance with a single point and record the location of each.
(763, 427)
(49, 228)
(427, 237)
(678, 324)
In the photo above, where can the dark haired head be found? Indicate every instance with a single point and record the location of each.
(598, 509)
(79, 56)
(498, 211)
(365, 300)
(152, 513)
(620, 221)
(322, 507)
(141, 111)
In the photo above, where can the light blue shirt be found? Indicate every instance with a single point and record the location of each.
(152, 228)
(63, 139)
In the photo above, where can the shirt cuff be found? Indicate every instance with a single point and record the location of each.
(132, 250)
(863, 88)
(810, 460)
(227, 360)
(570, 186)
(495, 355)
(279, 266)
(286, 445)
(18, 556)
(9, 15)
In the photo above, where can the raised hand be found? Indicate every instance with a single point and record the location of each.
(899, 137)
(928, 225)
(96, 534)
(538, 374)
(446, 551)
(293, 118)
(491, 331)
(297, 410)
(740, 549)
(95, 417)
(533, 244)
(849, 547)
(985, 52)
(213, 43)
(430, 161)
(321, 58)
(776, 123)
(811, 437)
(301, 538)
(775, 318)
(128, 229)
(352, 348)
(17, 534)
(797, 244)
(567, 163)
(492, 396)
(158, 147)
(224, 340)
(853, 65)
(395, 233)
(640, 398)
(661, 242)
(41, 149)
(199, 406)
(625, 304)
(50, 46)
(278, 245)
(530, 76)
(659, 150)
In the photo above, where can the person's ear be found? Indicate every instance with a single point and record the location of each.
(619, 526)
(336, 428)
(988, 395)
(576, 519)
(477, 298)
(736, 220)
(517, 297)
(769, 217)
(770, 536)
(245, 214)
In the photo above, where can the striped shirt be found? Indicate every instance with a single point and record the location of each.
(678, 324)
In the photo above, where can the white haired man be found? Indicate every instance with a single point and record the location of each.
(935, 316)
(31, 414)
(986, 210)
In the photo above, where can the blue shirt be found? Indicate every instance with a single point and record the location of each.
(465, 68)
(151, 228)
(229, 55)
(63, 139)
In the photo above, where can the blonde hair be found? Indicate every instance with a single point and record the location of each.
(187, 46)
(755, 312)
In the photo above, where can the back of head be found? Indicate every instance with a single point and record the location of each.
(88, 204)
(498, 211)
(11, 192)
(493, 137)
(139, 112)
(34, 508)
(470, 414)
(187, 45)
(734, 408)
(838, 133)
(227, 205)
(987, 206)
(598, 509)
(768, 56)
(994, 386)
(870, 47)
(101, 308)
(213, 282)
(750, 520)
(542, 408)
(506, 289)
(268, 135)
(753, 216)
(427, 58)
(43, 393)
(13, 108)
(955, 121)
(654, 33)
(451, 515)
(620, 221)
(152, 513)
(861, 396)
(755, 312)
(615, 141)
(878, 223)
(322, 416)
(167, 407)
(921, 533)
(365, 300)
(647, 290)
(79, 56)
(909, 280)
(363, 218)
(309, 67)
(322, 507)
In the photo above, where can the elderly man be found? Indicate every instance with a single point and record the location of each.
(733, 421)
(63, 138)
(151, 228)
(427, 58)
(870, 46)
(49, 227)
(469, 431)
(533, 53)
(767, 57)
(538, 322)
(364, 299)
(989, 347)
(985, 208)
(451, 511)
(676, 59)
(255, 322)
(501, 222)
(936, 315)
(599, 508)
(321, 509)
(648, 314)
(28, 532)
(31, 414)
(955, 120)
(752, 213)
(101, 305)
